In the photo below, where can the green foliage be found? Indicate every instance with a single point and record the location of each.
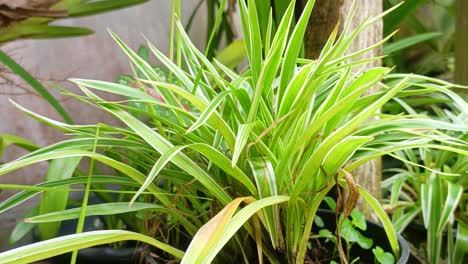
(350, 232)
(7, 140)
(383, 257)
(251, 159)
(87, 8)
(431, 185)
(57, 246)
(23, 228)
(219, 26)
(38, 27)
(56, 200)
(425, 43)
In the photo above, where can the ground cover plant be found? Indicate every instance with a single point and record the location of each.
(241, 162)
(419, 196)
(350, 232)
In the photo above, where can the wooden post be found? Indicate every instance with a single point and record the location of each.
(326, 14)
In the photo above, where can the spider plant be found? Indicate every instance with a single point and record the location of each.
(419, 194)
(243, 161)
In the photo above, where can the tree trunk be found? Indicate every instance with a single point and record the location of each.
(325, 16)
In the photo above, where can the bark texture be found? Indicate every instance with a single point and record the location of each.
(326, 14)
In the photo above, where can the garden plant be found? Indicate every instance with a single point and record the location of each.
(420, 197)
(240, 162)
(416, 195)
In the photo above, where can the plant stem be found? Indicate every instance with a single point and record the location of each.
(84, 204)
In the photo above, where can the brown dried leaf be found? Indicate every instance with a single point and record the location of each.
(353, 195)
(14, 11)
(28, 4)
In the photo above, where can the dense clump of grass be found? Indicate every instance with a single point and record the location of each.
(275, 137)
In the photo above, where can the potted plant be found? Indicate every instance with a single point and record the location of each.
(426, 194)
(239, 167)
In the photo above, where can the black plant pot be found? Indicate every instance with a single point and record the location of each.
(105, 255)
(374, 231)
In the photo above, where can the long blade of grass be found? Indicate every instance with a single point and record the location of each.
(57, 246)
(40, 31)
(403, 221)
(384, 219)
(272, 63)
(454, 194)
(293, 49)
(91, 8)
(97, 209)
(207, 236)
(157, 168)
(215, 119)
(84, 202)
(144, 68)
(129, 171)
(59, 169)
(240, 219)
(266, 182)
(6, 140)
(241, 140)
(209, 110)
(402, 44)
(25, 195)
(251, 27)
(209, 152)
(461, 246)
